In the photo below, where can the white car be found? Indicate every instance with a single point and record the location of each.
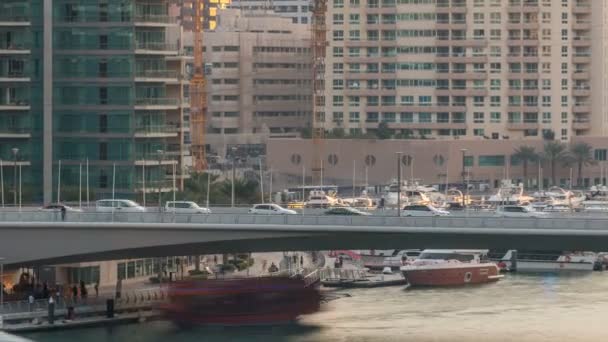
(517, 211)
(118, 205)
(185, 207)
(423, 210)
(271, 209)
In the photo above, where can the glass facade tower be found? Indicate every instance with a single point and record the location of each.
(108, 103)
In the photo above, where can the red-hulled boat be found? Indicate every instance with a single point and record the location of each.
(442, 267)
(241, 301)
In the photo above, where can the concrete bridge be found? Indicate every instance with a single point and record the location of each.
(30, 243)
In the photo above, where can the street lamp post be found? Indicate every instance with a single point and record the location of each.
(399, 183)
(1, 285)
(160, 183)
(464, 151)
(15, 152)
(233, 149)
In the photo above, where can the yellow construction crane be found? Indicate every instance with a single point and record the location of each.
(319, 46)
(198, 92)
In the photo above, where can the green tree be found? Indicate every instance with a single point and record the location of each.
(383, 131)
(525, 154)
(581, 154)
(555, 152)
(246, 191)
(337, 133)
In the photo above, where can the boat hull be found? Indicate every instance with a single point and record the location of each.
(450, 276)
(552, 266)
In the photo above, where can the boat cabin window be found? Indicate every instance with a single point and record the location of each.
(417, 208)
(447, 256)
(514, 209)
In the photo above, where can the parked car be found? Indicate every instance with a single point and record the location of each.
(423, 210)
(271, 209)
(56, 207)
(517, 211)
(346, 211)
(118, 205)
(185, 207)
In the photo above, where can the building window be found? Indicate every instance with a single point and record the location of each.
(491, 161)
(600, 154)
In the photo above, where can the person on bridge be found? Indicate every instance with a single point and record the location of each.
(63, 212)
(83, 290)
(75, 292)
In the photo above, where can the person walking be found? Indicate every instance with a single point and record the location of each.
(63, 212)
(96, 287)
(75, 292)
(83, 290)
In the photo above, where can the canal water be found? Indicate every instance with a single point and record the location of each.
(518, 308)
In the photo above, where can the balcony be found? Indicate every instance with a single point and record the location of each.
(581, 91)
(149, 20)
(156, 76)
(581, 41)
(14, 104)
(581, 8)
(461, 92)
(13, 76)
(581, 124)
(522, 126)
(156, 103)
(156, 48)
(14, 48)
(581, 58)
(156, 131)
(14, 17)
(15, 133)
(582, 26)
(581, 108)
(581, 75)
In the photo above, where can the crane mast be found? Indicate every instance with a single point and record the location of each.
(319, 46)
(198, 92)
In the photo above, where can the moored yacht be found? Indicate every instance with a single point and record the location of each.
(509, 193)
(445, 267)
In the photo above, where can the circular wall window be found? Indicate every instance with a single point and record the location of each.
(332, 159)
(438, 160)
(296, 159)
(370, 160)
(407, 160)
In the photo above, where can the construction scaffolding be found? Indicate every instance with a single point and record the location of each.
(319, 47)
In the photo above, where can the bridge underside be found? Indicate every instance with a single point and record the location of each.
(53, 243)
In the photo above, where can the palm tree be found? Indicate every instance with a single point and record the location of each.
(555, 152)
(582, 156)
(525, 154)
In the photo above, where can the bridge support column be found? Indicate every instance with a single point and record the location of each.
(197, 263)
(514, 261)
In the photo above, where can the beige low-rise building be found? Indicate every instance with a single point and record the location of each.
(374, 162)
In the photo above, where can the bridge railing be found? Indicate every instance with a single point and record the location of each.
(460, 220)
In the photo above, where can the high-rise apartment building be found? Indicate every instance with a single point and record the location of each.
(464, 68)
(298, 10)
(259, 80)
(184, 11)
(88, 85)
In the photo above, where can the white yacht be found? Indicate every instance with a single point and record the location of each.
(509, 193)
(320, 199)
(558, 196)
(550, 262)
